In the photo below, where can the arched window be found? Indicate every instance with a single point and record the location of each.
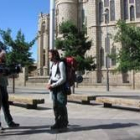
(106, 3)
(83, 16)
(112, 10)
(132, 14)
(100, 11)
(107, 16)
(125, 9)
(113, 52)
(44, 58)
(43, 27)
(102, 57)
(137, 8)
(131, 1)
(107, 50)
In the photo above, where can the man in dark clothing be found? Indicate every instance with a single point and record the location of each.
(4, 94)
(1, 128)
(55, 85)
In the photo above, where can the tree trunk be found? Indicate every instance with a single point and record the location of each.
(13, 83)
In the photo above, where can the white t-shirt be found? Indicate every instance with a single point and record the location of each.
(59, 77)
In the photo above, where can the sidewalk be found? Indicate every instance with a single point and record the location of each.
(86, 122)
(83, 89)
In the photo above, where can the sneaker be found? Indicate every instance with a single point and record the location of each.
(13, 124)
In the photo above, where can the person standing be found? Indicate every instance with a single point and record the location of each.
(4, 94)
(1, 128)
(56, 85)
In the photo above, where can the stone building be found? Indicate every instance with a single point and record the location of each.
(99, 17)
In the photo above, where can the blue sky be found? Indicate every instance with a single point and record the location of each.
(23, 14)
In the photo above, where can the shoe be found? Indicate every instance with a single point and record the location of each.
(55, 126)
(1, 129)
(64, 126)
(13, 124)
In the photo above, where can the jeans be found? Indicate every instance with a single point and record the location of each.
(59, 107)
(0, 108)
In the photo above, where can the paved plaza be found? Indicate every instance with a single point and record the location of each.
(86, 122)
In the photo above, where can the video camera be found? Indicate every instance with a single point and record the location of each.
(10, 69)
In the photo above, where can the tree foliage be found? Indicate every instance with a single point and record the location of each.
(18, 50)
(75, 43)
(129, 55)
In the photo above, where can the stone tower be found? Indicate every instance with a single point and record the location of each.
(66, 10)
(43, 44)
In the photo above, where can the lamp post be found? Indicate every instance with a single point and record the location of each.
(107, 52)
(52, 23)
(107, 74)
(52, 27)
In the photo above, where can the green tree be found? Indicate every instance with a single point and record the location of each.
(75, 43)
(128, 57)
(18, 50)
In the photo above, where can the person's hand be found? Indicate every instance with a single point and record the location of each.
(49, 86)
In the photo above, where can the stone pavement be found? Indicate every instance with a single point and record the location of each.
(86, 122)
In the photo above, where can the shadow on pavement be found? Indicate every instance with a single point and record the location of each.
(25, 106)
(126, 108)
(28, 130)
(120, 96)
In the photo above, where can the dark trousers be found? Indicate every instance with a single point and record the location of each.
(0, 108)
(59, 107)
(5, 104)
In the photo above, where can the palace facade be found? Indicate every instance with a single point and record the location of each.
(100, 18)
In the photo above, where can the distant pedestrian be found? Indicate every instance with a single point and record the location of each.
(56, 85)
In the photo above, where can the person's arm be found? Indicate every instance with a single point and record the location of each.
(49, 81)
(62, 78)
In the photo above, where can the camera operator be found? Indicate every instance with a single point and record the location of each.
(1, 129)
(4, 93)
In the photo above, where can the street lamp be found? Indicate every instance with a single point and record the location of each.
(107, 50)
(52, 26)
(52, 23)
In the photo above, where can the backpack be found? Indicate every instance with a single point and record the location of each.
(71, 66)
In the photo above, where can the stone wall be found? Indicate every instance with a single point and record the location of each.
(20, 79)
(130, 80)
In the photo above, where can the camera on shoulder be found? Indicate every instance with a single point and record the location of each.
(10, 69)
